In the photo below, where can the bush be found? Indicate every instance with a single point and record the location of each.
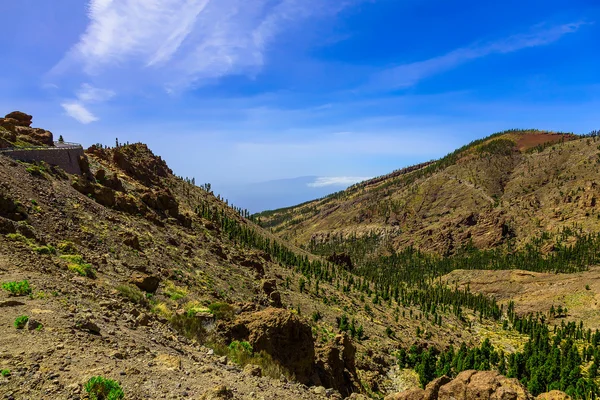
(188, 325)
(67, 247)
(100, 388)
(5, 373)
(316, 316)
(132, 293)
(21, 321)
(221, 310)
(45, 249)
(174, 292)
(240, 352)
(17, 237)
(79, 266)
(21, 288)
(36, 170)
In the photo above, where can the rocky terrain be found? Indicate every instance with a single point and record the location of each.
(131, 273)
(16, 131)
(512, 185)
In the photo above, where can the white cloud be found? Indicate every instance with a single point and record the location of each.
(185, 41)
(336, 181)
(78, 111)
(90, 94)
(410, 74)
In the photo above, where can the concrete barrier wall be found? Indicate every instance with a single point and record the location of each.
(65, 158)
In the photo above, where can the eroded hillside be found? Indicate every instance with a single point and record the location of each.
(510, 186)
(135, 275)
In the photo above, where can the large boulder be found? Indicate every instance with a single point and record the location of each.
(21, 118)
(553, 395)
(335, 365)
(17, 125)
(469, 385)
(37, 136)
(281, 334)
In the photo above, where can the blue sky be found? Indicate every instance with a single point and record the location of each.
(235, 92)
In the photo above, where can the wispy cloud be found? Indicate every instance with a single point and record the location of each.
(78, 111)
(90, 94)
(186, 41)
(336, 181)
(86, 94)
(410, 74)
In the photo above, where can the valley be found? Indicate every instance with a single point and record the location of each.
(434, 280)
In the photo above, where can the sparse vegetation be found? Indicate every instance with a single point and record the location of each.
(20, 288)
(47, 249)
(5, 373)
(100, 388)
(174, 292)
(36, 170)
(21, 321)
(132, 293)
(221, 310)
(77, 264)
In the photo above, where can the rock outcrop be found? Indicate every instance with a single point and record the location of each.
(289, 341)
(17, 128)
(469, 385)
(282, 335)
(335, 366)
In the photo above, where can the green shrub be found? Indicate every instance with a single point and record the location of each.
(174, 292)
(17, 237)
(240, 352)
(316, 316)
(100, 388)
(79, 266)
(20, 321)
(48, 249)
(67, 247)
(21, 288)
(132, 293)
(221, 310)
(189, 326)
(36, 170)
(5, 373)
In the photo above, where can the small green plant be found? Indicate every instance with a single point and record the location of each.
(79, 266)
(48, 249)
(67, 247)
(5, 373)
(20, 288)
(21, 321)
(132, 293)
(17, 237)
(240, 352)
(316, 316)
(221, 310)
(100, 388)
(36, 170)
(174, 292)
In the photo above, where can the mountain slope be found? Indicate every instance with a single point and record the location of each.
(515, 184)
(133, 274)
(142, 277)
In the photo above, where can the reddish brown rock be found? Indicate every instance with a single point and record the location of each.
(147, 283)
(281, 334)
(22, 118)
(470, 385)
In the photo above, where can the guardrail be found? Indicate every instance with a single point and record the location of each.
(57, 146)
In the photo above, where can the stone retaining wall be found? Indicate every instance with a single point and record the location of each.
(66, 158)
